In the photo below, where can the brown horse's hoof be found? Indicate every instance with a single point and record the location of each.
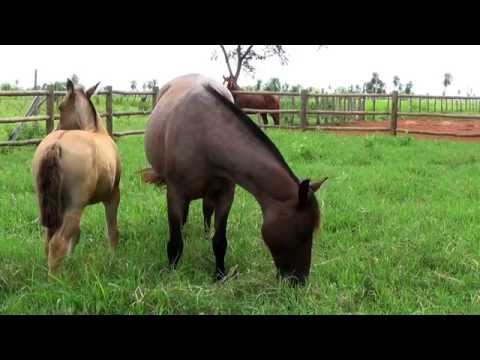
(220, 276)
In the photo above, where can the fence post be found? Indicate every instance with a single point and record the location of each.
(393, 124)
(109, 109)
(50, 101)
(155, 96)
(363, 107)
(303, 108)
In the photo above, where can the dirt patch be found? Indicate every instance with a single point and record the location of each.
(432, 127)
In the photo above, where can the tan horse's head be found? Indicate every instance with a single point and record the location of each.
(77, 111)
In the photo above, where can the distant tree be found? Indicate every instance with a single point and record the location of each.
(375, 85)
(409, 88)
(133, 85)
(6, 87)
(285, 87)
(273, 85)
(258, 85)
(396, 82)
(245, 56)
(296, 88)
(75, 79)
(447, 81)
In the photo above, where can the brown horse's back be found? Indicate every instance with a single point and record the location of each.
(180, 128)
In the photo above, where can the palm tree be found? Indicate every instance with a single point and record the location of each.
(447, 80)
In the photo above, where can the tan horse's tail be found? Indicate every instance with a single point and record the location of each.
(49, 184)
(150, 176)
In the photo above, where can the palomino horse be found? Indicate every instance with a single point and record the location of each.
(200, 144)
(75, 166)
(247, 101)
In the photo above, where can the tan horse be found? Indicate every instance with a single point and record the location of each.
(75, 166)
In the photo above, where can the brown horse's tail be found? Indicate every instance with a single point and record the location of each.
(49, 184)
(150, 176)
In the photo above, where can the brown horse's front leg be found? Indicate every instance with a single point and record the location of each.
(111, 209)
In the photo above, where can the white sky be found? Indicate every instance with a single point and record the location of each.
(336, 65)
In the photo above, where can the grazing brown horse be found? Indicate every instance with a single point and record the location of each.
(75, 166)
(248, 101)
(200, 144)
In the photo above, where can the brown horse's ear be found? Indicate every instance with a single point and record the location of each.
(70, 86)
(317, 184)
(92, 90)
(303, 189)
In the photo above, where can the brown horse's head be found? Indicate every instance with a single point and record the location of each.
(231, 83)
(289, 231)
(76, 110)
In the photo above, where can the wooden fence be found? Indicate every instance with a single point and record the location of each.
(354, 105)
(345, 105)
(50, 116)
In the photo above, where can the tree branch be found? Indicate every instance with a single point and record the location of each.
(239, 62)
(226, 60)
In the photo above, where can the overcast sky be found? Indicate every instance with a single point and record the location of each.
(336, 65)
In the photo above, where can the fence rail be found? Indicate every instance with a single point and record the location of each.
(50, 117)
(344, 105)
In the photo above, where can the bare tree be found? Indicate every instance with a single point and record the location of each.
(243, 57)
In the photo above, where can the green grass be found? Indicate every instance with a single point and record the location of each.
(399, 236)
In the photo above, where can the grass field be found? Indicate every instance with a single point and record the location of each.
(399, 236)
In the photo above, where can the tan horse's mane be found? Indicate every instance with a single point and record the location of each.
(81, 89)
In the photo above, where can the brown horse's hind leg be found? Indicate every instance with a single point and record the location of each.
(276, 118)
(176, 206)
(111, 209)
(265, 118)
(64, 239)
(185, 212)
(223, 202)
(208, 208)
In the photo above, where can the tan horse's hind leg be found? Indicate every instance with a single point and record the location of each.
(111, 208)
(49, 232)
(64, 240)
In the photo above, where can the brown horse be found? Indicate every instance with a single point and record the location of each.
(200, 144)
(247, 101)
(75, 166)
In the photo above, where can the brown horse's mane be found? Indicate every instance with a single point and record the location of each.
(254, 129)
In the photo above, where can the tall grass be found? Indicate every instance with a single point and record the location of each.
(399, 235)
